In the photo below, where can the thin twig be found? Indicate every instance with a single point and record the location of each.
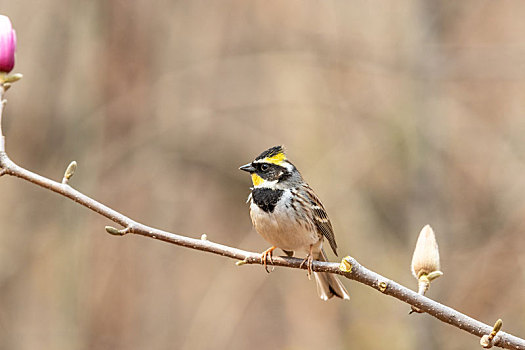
(2, 104)
(349, 267)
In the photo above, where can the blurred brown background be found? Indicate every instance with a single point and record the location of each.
(397, 114)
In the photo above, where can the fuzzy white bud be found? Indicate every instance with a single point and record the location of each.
(426, 254)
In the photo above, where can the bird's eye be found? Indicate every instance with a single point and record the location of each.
(265, 167)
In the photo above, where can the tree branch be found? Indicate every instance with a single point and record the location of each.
(348, 268)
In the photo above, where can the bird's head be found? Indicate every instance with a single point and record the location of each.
(272, 169)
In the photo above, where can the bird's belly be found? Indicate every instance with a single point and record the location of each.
(282, 230)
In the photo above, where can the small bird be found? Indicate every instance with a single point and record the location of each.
(287, 213)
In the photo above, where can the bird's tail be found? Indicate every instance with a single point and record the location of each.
(328, 285)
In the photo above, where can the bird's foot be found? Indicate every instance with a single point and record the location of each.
(309, 260)
(264, 257)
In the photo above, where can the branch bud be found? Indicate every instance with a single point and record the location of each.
(425, 261)
(346, 265)
(113, 231)
(70, 171)
(12, 78)
(7, 45)
(426, 254)
(486, 341)
(497, 327)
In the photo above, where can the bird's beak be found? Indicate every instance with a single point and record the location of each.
(248, 167)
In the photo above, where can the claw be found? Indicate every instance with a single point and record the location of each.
(309, 260)
(264, 257)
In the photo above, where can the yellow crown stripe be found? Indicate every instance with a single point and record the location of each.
(276, 159)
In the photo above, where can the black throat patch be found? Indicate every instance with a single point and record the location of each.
(266, 198)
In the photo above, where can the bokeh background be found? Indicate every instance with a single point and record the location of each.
(398, 114)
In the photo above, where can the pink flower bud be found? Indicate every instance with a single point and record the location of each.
(7, 45)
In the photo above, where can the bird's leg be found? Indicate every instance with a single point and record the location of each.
(264, 257)
(309, 260)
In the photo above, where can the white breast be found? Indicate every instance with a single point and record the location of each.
(281, 229)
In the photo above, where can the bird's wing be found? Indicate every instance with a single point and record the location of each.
(320, 218)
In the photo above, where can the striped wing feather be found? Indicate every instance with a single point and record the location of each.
(321, 220)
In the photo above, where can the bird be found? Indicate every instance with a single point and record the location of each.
(288, 214)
